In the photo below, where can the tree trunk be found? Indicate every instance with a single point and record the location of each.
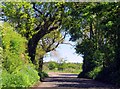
(118, 49)
(91, 30)
(40, 64)
(32, 45)
(32, 50)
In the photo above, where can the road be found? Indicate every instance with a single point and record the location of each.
(70, 81)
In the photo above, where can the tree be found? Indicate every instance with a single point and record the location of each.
(34, 20)
(97, 36)
(48, 43)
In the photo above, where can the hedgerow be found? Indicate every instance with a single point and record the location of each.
(17, 69)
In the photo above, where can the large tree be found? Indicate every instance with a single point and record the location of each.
(98, 39)
(34, 20)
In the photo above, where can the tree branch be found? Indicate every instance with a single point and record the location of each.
(59, 42)
(36, 8)
(68, 44)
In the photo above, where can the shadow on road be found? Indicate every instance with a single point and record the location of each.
(69, 75)
(70, 81)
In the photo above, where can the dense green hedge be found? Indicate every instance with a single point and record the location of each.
(1, 51)
(18, 71)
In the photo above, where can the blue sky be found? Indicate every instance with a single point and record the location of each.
(66, 52)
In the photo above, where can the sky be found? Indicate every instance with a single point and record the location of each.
(66, 52)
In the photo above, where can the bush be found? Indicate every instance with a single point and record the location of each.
(43, 75)
(1, 59)
(52, 65)
(62, 65)
(18, 71)
(93, 74)
(21, 77)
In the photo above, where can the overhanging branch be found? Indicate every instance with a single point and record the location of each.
(36, 8)
(68, 44)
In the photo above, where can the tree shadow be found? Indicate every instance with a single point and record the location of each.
(69, 75)
(72, 82)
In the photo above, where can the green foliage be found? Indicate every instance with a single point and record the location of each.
(1, 60)
(38, 25)
(48, 43)
(94, 26)
(43, 75)
(17, 69)
(52, 65)
(100, 39)
(63, 67)
(73, 67)
(24, 76)
(92, 74)
(14, 48)
(19, 13)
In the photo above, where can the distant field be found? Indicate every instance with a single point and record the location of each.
(62, 67)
